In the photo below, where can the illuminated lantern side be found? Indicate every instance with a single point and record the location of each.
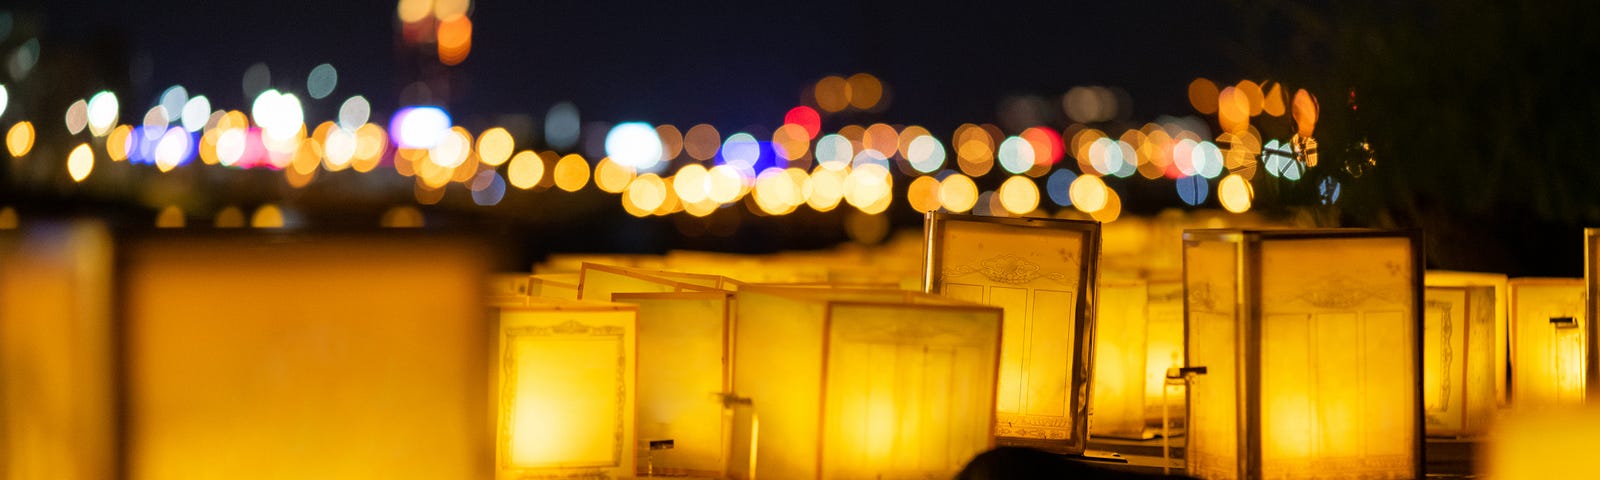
(565, 390)
(563, 286)
(597, 282)
(1547, 322)
(263, 356)
(683, 343)
(1310, 341)
(865, 383)
(1121, 333)
(1541, 444)
(1463, 328)
(1164, 350)
(1041, 272)
(508, 284)
(57, 415)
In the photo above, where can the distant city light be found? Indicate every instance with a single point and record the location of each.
(419, 127)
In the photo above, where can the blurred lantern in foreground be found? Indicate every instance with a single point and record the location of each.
(865, 383)
(1164, 350)
(56, 366)
(1041, 272)
(1121, 336)
(1541, 445)
(1463, 335)
(553, 285)
(269, 356)
(683, 371)
(1547, 328)
(1309, 340)
(565, 390)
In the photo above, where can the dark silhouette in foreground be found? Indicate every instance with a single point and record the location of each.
(1024, 463)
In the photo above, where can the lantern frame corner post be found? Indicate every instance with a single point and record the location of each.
(1591, 288)
(1079, 386)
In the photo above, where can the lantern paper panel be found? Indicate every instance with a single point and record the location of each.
(597, 282)
(565, 390)
(1121, 340)
(1041, 272)
(1328, 328)
(683, 348)
(257, 356)
(1547, 317)
(1457, 359)
(1163, 350)
(783, 343)
(57, 411)
(1499, 305)
(562, 286)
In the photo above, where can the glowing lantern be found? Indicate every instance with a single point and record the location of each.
(683, 345)
(565, 390)
(1547, 331)
(1041, 272)
(1463, 351)
(1541, 444)
(865, 383)
(598, 282)
(56, 353)
(1121, 337)
(507, 287)
(554, 285)
(289, 358)
(1310, 345)
(1164, 350)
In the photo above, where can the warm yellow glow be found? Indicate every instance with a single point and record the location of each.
(412, 11)
(454, 39)
(1111, 210)
(682, 337)
(671, 141)
(974, 150)
(453, 148)
(1089, 193)
(170, 217)
(117, 145)
(832, 93)
(1541, 445)
(1121, 335)
(371, 142)
(1019, 195)
(1203, 96)
(865, 91)
(19, 139)
(881, 137)
(647, 192)
(267, 216)
(571, 173)
(80, 162)
(447, 9)
(525, 170)
(403, 216)
(1305, 112)
(866, 186)
(923, 194)
(827, 189)
(1235, 193)
(726, 185)
(495, 146)
(692, 183)
(791, 141)
(958, 193)
(1547, 331)
(1252, 94)
(295, 179)
(229, 217)
(8, 218)
(612, 177)
(1233, 109)
(1274, 103)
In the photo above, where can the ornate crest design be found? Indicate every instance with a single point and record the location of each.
(1343, 292)
(1009, 269)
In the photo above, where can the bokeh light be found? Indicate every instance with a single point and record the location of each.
(229, 217)
(611, 176)
(454, 39)
(321, 81)
(526, 170)
(117, 143)
(102, 112)
(561, 126)
(925, 154)
(1016, 155)
(267, 216)
(1059, 187)
(724, 184)
(701, 142)
(923, 194)
(741, 150)
(791, 141)
(495, 146)
(634, 145)
(354, 112)
(571, 173)
(958, 193)
(1088, 193)
(1235, 194)
(827, 188)
(1203, 96)
(834, 152)
(1193, 190)
(196, 112)
(671, 142)
(805, 117)
(1018, 195)
(866, 91)
(487, 188)
(173, 100)
(832, 93)
(77, 117)
(80, 162)
(452, 149)
(19, 139)
(419, 127)
(1305, 111)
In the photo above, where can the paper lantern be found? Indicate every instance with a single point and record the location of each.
(57, 409)
(252, 356)
(1541, 445)
(1164, 350)
(683, 373)
(598, 282)
(562, 286)
(1041, 272)
(1464, 333)
(1121, 339)
(565, 390)
(1548, 331)
(865, 383)
(1310, 341)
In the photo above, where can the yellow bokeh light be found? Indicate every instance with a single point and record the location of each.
(447, 9)
(692, 183)
(403, 216)
(1203, 96)
(832, 93)
(907, 135)
(19, 139)
(670, 203)
(725, 184)
(454, 39)
(495, 146)
(865, 92)
(775, 192)
(1305, 112)
(701, 142)
(371, 142)
(701, 208)
(1274, 104)
(267, 216)
(1088, 193)
(1233, 109)
(646, 193)
(1111, 211)
(1018, 195)
(612, 177)
(80, 162)
(525, 170)
(975, 150)
(297, 179)
(791, 141)
(866, 185)
(117, 145)
(1235, 193)
(306, 159)
(229, 217)
(170, 217)
(571, 173)
(923, 194)
(958, 193)
(827, 189)
(425, 194)
(412, 11)
(1252, 94)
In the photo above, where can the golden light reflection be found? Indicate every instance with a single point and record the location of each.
(402, 216)
(646, 193)
(1203, 96)
(865, 91)
(775, 192)
(1235, 193)
(923, 194)
(495, 146)
(1111, 210)
(229, 217)
(832, 93)
(827, 188)
(526, 170)
(8, 218)
(1018, 195)
(958, 193)
(117, 145)
(1089, 193)
(267, 216)
(571, 173)
(80, 162)
(612, 177)
(866, 185)
(19, 139)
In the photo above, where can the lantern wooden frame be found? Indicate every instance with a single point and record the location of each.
(1247, 300)
(1484, 321)
(1525, 393)
(1080, 273)
(1591, 282)
(648, 383)
(655, 283)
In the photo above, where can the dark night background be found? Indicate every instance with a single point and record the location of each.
(1482, 117)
